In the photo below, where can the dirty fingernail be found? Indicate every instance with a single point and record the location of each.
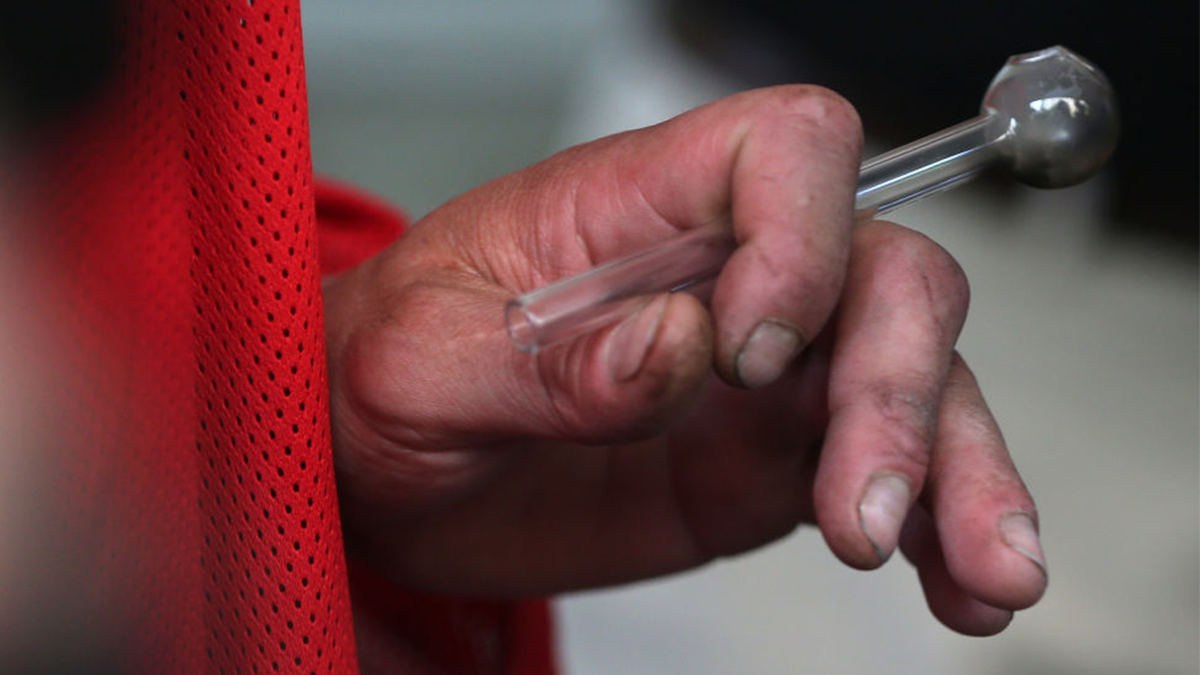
(1019, 532)
(767, 353)
(882, 510)
(632, 339)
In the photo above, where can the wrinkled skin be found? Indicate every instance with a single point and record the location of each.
(681, 434)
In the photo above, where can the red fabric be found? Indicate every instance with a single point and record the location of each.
(352, 226)
(193, 470)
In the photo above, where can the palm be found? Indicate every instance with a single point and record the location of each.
(667, 503)
(730, 472)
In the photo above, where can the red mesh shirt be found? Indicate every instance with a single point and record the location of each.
(184, 239)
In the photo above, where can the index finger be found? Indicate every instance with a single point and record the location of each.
(781, 162)
(792, 193)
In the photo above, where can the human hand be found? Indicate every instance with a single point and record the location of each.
(466, 466)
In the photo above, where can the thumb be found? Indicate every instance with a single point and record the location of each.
(439, 372)
(631, 380)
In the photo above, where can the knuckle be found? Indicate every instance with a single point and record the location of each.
(779, 278)
(912, 261)
(949, 279)
(563, 377)
(817, 112)
(821, 106)
(388, 351)
(415, 304)
(908, 411)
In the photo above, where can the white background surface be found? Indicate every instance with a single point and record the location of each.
(1086, 346)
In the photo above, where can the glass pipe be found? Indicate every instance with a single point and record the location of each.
(1049, 117)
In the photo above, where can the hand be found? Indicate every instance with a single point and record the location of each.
(467, 467)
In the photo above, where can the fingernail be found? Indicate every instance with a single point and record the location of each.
(1019, 532)
(882, 510)
(632, 339)
(767, 353)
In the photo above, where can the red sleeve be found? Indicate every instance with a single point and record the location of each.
(183, 486)
(397, 628)
(352, 225)
(405, 631)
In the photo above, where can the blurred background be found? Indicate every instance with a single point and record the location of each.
(1084, 326)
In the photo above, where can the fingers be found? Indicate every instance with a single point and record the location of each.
(904, 304)
(986, 519)
(782, 162)
(947, 601)
(978, 556)
(907, 420)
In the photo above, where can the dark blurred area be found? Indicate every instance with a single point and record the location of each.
(913, 69)
(56, 60)
(53, 57)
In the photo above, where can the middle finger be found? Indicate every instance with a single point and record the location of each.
(903, 306)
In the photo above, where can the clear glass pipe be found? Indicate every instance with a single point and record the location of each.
(609, 292)
(1049, 116)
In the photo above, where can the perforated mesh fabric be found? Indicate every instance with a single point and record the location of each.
(274, 582)
(196, 471)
